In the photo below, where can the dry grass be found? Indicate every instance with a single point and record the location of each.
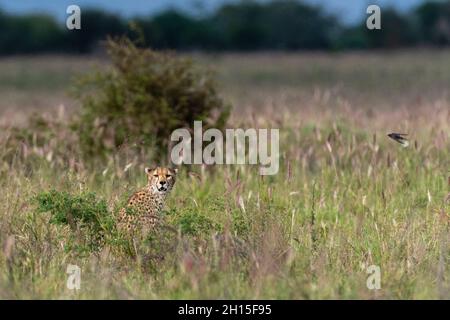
(345, 198)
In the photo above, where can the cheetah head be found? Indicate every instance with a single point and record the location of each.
(161, 179)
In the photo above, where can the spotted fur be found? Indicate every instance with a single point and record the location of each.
(142, 211)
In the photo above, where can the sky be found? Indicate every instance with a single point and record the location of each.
(349, 11)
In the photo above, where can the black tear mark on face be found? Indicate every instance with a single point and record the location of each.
(161, 178)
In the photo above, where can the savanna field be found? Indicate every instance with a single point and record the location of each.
(346, 196)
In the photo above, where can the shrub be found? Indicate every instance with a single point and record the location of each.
(70, 209)
(83, 212)
(194, 224)
(143, 98)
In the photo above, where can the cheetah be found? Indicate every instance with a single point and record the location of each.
(142, 211)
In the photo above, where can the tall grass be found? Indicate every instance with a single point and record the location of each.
(346, 197)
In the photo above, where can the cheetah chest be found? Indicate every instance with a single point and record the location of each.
(142, 210)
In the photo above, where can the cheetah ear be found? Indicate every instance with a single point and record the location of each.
(148, 170)
(175, 170)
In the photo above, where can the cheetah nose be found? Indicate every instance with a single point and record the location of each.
(162, 182)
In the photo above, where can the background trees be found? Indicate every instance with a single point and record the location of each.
(241, 26)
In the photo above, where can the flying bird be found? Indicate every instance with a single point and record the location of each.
(400, 138)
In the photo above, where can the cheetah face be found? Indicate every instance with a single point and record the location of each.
(161, 179)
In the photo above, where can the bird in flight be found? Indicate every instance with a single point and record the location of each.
(400, 138)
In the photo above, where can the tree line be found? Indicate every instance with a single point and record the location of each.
(242, 26)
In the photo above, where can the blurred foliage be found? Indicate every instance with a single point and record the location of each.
(95, 26)
(244, 25)
(396, 31)
(434, 20)
(194, 223)
(251, 26)
(87, 216)
(142, 99)
(72, 209)
(44, 137)
(29, 34)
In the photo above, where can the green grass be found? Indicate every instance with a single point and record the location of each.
(346, 197)
(368, 79)
(308, 234)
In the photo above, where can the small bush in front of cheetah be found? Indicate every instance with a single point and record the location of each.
(94, 226)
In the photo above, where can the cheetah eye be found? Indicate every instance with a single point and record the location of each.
(155, 175)
(168, 176)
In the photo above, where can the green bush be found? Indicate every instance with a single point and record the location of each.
(142, 99)
(71, 209)
(92, 225)
(87, 216)
(194, 224)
